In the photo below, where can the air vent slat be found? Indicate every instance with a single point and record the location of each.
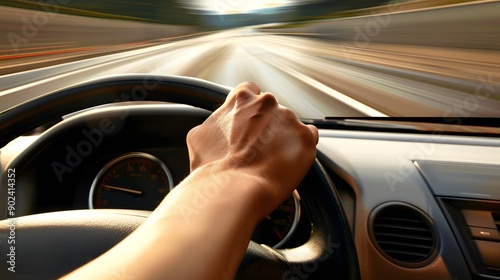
(406, 236)
(405, 220)
(388, 243)
(403, 234)
(426, 229)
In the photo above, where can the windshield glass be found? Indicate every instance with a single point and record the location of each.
(363, 58)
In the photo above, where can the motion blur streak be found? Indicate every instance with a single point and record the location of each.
(432, 62)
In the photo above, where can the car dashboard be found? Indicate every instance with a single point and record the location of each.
(420, 206)
(124, 157)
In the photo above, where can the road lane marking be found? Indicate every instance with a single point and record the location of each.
(351, 102)
(125, 55)
(363, 108)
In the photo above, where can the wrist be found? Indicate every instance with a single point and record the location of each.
(238, 187)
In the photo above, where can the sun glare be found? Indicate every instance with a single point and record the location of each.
(242, 6)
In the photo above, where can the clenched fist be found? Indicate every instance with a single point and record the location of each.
(252, 134)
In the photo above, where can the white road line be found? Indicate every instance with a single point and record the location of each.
(43, 81)
(46, 80)
(110, 56)
(353, 103)
(336, 94)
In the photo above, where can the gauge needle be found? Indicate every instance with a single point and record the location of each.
(278, 234)
(123, 189)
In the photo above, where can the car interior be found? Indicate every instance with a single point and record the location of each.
(406, 180)
(377, 203)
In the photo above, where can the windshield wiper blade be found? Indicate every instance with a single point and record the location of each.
(488, 127)
(358, 124)
(466, 121)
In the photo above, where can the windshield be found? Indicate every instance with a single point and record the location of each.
(364, 58)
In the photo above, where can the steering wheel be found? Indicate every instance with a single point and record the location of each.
(52, 244)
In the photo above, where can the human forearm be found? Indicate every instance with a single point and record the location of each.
(200, 232)
(218, 209)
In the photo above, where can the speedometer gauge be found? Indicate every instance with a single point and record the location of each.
(132, 181)
(277, 228)
(141, 181)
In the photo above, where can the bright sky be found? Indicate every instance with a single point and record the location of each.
(237, 6)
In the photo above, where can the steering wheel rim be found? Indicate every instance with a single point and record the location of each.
(112, 89)
(329, 251)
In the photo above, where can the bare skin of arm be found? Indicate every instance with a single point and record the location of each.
(246, 158)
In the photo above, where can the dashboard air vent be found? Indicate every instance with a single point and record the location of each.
(403, 234)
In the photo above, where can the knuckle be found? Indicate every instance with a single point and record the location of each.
(247, 89)
(192, 134)
(308, 136)
(268, 100)
(314, 133)
(303, 133)
(243, 94)
(251, 86)
(288, 114)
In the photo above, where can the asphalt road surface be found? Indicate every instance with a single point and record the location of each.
(313, 76)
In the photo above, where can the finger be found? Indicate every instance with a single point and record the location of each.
(314, 131)
(243, 90)
(251, 87)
